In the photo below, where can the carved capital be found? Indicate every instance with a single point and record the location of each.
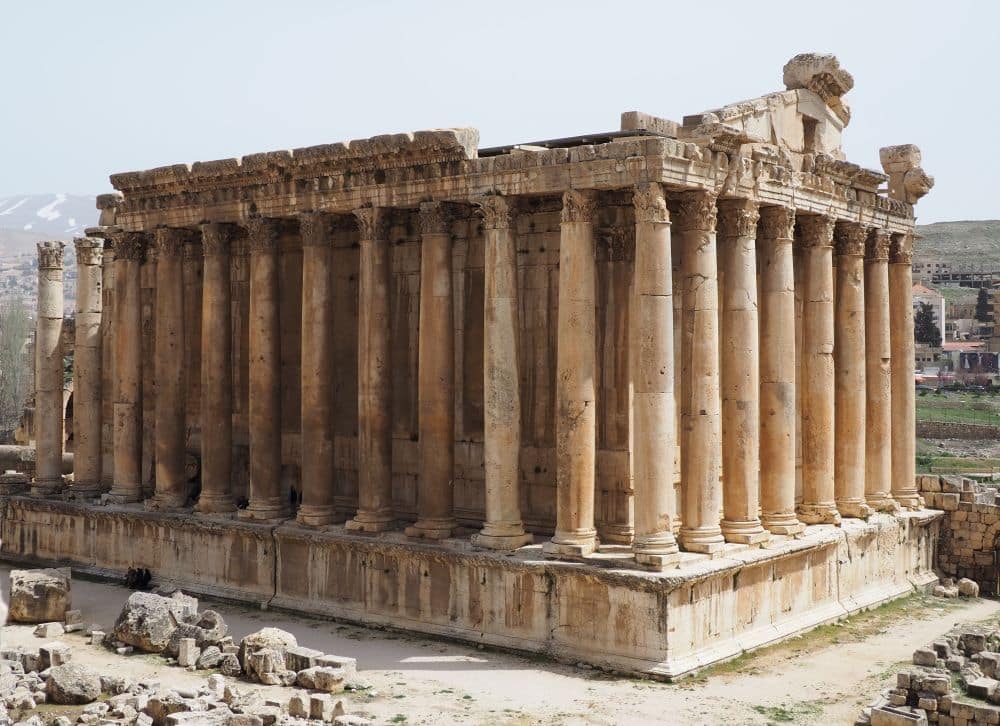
(50, 255)
(170, 241)
(849, 239)
(316, 229)
(89, 251)
(777, 223)
(901, 249)
(372, 223)
(578, 205)
(217, 238)
(738, 217)
(497, 212)
(130, 246)
(696, 212)
(817, 230)
(435, 218)
(262, 235)
(650, 203)
(877, 245)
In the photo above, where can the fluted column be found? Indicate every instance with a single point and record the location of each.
(375, 513)
(740, 373)
(130, 249)
(878, 377)
(818, 501)
(651, 357)
(216, 370)
(49, 371)
(904, 465)
(87, 371)
(168, 361)
(701, 428)
(317, 507)
(435, 378)
(849, 373)
(267, 501)
(502, 528)
(777, 371)
(576, 394)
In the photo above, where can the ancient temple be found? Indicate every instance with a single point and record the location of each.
(642, 398)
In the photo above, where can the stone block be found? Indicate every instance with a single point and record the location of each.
(73, 617)
(188, 652)
(948, 502)
(937, 685)
(49, 630)
(96, 637)
(299, 658)
(53, 654)
(298, 704)
(39, 596)
(969, 588)
(972, 642)
(897, 716)
(349, 665)
(323, 708)
(924, 657)
(981, 687)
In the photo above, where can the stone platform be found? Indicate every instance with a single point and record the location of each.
(601, 611)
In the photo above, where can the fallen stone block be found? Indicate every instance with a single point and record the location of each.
(53, 654)
(324, 708)
(265, 665)
(351, 720)
(97, 637)
(322, 678)
(229, 665)
(968, 588)
(898, 716)
(147, 621)
(348, 665)
(73, 684)
(39, 596)
(972, 642)
(298, 705)
(117, 685)
(160, 706)
(188, 652)
(49, 630)
(272, 638)
(210, 658)
(981, 687)
(298, 658)
(924, 657)
(215, 717)
(944, 591)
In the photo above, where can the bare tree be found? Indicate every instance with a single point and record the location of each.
(15, 363)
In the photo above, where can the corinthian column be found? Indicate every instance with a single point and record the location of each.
(740, 373)
(107, 335)
(503, 529)
(216, 371)
(130, 249)
(904, 474)
(374, 377)
(818, 502)
(576, 396)
(849, 374)
(777, 371)
(878, 408)
(651, 356)
(87, 371)
(701, 429)
(49, 371)
(267, 502)
(168, 361)
(317, 506)
(435, 378)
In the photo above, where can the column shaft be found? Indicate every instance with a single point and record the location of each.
(107, 363)
(87, 371)
(49, 371)
(904, 474)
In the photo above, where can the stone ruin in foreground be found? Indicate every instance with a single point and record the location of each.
(641, 398)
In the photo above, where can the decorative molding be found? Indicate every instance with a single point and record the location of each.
(650, 203)
(738, 217)
(877, 245)
(849, 239)
(217, 238)
(435, 218)
(89, 251)
(696, 211)
(777, 223)
(496, 211)
(130, 246)
(373, 223)
(50, 255)
(901, 249)
(316, 229)
(262, 235)
(817, 230)
(578, 205)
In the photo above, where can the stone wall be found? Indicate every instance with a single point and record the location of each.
(957, 430)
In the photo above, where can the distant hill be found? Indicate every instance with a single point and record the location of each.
(29, 218)
(963, 244)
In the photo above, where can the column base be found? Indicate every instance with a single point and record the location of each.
(84, 492)
(570, 545)
(47, 487)
(431, 529)
(502, 537)
(371, 522)
(707, 541)
(656, 551)
(785, 523)
(854, 508)
(749, 532)
(882, 502)
(313, 515)
(269, 510)
(164, 503)
(618, 534)
(819, 513)
(909, 501)
(215, 504)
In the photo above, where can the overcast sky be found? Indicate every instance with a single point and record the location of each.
(89, 89)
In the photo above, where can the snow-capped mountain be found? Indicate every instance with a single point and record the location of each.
(29, 218)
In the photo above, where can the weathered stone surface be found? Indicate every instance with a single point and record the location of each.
(73, 684)
(299, 658)
(229, 665)
(39, 596)
(323, 678)
(188, 652)
(210, 658)
(275, 638)
(53, 654)
(968, 588)
(147, 621)
(49, 630)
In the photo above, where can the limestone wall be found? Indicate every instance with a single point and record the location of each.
(957, 430)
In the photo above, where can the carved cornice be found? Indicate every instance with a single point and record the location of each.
(170, 241)
(650, 203)
(217, 238)
(50, 255)
(497, 212)
(435, 218)
(130, 246)
(901, 249)
(738, 217)
(262, 235)
(777, 223)
(578, 205)
(877, 245)
(316, 229)
(849, 239)
(89, 251)
(817, 230)
(696, 212)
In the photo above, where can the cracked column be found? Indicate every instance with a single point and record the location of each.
(849, 372)
(818, 499)
(168, 360)
(701, 430)
(375, 513)
(87, 370)
(777, 371)
(435, 378)
(904, 474)
(130, 249)
(49, 372)
(651, 356)
(878, 376)
(317, 507)
(502, 528)
(216, 370)
(576, 397)
(267, 501)
(740, 373)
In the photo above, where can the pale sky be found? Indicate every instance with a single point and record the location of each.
(90, 89)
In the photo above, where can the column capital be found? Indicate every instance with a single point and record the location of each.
(650, 203)
(497, 212)
(877, 245)
(696, 211)
(130, 246)
(777, 223)
(738, 217)
(217, 238)
(578, 205)
(373, 222)
(316, 229)
(435, 218)
(50, 255)
(849, 239)
(262, 235)
(89, 250)
(817, 230)
(170, 241)
(901, 249)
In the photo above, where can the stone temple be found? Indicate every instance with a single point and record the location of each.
(641, 398)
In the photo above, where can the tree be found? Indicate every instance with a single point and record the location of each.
(984, 311)
(15, 365)
(925, 330)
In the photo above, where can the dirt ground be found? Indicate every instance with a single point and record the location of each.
(821, 677)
